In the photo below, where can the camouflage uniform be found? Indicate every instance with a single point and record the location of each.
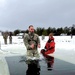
(10, 38)
(5, 36)
(31, 39)
(43, 37)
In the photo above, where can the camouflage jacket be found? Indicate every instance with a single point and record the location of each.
(29, 39)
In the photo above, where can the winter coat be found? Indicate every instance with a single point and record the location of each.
(50, 46)
(31, 39)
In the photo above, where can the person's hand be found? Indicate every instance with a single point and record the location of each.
(38, 45)
(32, 46)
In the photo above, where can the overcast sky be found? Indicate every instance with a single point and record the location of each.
(19, 14)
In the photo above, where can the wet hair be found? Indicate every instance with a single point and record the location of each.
(30, 26)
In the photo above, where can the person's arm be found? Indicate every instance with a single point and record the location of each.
(38, 41)
(47, 44)
(26, 42)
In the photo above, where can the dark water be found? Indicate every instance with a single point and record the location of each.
(50, 66)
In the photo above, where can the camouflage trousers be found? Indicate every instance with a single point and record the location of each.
(31, 54)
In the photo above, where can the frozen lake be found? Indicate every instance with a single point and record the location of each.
(64, 63)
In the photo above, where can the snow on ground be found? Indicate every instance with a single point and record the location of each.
(18, 47)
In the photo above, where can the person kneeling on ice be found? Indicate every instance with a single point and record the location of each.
(50, 46)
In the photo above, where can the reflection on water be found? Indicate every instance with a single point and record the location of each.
(50, 62)
(49, 66)
(33, 68)
(18, 65)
